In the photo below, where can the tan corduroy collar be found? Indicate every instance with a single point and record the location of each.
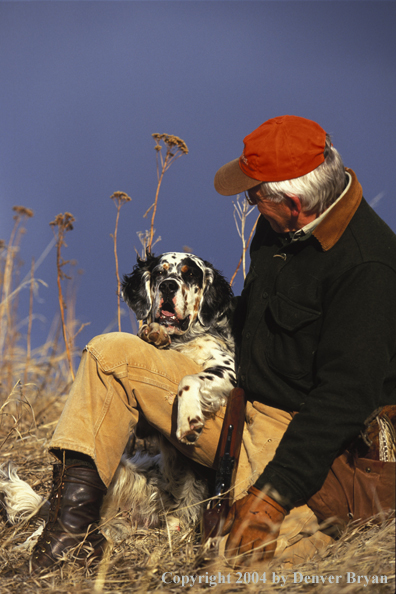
(329, 231)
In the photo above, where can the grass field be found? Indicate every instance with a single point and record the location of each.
(153, 560)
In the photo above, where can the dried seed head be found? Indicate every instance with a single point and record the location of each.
(171, 141)
(120, 197)
(22, 211)
(63, 221)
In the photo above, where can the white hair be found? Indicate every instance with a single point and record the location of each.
(318, 189)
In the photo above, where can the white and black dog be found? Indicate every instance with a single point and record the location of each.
(185, 305)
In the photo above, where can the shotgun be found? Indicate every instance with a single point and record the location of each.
(229, 448)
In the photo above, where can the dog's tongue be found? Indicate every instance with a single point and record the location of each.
(166, 313)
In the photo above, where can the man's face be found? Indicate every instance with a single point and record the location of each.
(278, 215)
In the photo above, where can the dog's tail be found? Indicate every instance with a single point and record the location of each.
(18, 498)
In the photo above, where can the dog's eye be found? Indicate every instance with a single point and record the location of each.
(190, 275)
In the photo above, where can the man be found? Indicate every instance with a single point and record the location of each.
(316, 332)
(316, 322)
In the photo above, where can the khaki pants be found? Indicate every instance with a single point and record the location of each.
(120, 377)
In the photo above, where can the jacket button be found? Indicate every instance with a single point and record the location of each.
(264, 295)
(248, 335)
(243, 377)
(368, 469)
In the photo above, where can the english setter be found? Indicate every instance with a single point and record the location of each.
(185, 304)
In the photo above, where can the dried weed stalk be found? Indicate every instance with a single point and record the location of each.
(241, 212)
(175, 148)
(12, 417)
(8, 294)
(30, 320)
(60, 226)
(144, 238)
(119, 199)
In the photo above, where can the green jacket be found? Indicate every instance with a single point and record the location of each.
(316, 334)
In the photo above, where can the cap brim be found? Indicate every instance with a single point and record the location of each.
(230, 179)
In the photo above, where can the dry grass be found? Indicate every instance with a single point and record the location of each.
(241, 212)
(119, 199)
(147, 558)
(61, 225)
(175, 148)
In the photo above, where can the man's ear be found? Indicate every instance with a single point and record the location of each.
(294, 203)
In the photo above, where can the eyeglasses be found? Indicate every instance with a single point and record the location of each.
(248, 199)
(252, 200)
(254, 196)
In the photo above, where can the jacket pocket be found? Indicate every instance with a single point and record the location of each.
(294, 331)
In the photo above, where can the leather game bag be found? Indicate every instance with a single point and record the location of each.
(361, 482)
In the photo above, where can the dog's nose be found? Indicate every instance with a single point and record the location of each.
(169, 287)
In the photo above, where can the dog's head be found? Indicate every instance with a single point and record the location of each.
(176, 290)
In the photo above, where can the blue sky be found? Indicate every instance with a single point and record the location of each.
(83, 85)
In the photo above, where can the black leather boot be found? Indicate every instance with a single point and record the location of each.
(75, 502)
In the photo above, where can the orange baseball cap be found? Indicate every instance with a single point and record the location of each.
(282, 148)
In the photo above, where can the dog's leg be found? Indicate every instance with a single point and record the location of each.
(200, 394)
(155, 334)
(135, 488)
(190, 418)
(180, 481)
(153, 489)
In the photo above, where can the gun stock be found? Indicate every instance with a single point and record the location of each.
(229, 449)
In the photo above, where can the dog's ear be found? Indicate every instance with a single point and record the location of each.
(216, 298)
(135, 287)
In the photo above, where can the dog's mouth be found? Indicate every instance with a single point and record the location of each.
(167, 317)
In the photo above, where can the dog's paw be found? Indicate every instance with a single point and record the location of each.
(155, 334)
(190, 420)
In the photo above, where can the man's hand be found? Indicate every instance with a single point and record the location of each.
(253, 524)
